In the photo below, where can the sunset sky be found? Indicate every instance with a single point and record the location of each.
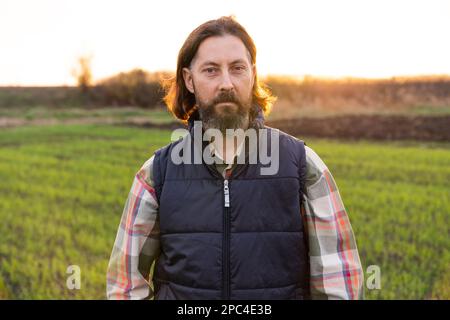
(40, 40)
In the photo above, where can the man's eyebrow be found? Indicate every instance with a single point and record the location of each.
(238, 61)
(209, 63)
(212, 63)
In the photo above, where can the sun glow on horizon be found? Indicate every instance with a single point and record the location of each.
(41, 40)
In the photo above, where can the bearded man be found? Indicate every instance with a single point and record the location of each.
(227, 229)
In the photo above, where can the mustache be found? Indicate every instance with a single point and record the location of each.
(226, 96)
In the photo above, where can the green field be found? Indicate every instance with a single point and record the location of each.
(36, 113)
(63, 189)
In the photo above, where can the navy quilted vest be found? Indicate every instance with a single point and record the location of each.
(253, 247)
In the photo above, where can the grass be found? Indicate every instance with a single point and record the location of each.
(158, 115)
(63, 189)
(431, 110)
(397, 197)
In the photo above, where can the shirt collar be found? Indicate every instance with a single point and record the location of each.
(218, 154)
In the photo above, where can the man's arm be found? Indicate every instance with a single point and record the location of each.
(137, 242)
(335, 267)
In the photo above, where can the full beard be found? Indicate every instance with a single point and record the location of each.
(227, 118)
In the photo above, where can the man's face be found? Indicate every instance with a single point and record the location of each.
(221, 77)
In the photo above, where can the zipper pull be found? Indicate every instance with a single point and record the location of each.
(226, 193)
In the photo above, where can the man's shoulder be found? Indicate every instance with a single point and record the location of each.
(286, 140)
(314, 160)
(282, 133)
(181, 136)
(146, 171)
(315, 167)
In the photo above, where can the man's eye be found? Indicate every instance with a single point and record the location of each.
(210, 70)
(239, 68)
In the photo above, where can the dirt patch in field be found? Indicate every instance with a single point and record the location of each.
(374, 127)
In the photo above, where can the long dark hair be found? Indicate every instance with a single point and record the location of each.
(179, 100)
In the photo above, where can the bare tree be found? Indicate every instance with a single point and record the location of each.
(83, 73)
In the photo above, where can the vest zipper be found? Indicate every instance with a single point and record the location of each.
(226, 241)
(226, 193)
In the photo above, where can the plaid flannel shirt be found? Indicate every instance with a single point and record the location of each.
(335, 267)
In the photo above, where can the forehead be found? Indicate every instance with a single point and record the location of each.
(221, 49)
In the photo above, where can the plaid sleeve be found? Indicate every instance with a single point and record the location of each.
(137, 242)
(335, 267)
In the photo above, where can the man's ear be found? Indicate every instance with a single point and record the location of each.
(188, 81)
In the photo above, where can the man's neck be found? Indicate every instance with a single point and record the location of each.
(231, 144)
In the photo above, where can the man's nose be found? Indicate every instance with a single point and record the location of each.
(226, 84)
